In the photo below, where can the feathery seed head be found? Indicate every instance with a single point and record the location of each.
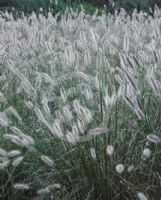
(130, 168)
(14, 138)
(29, 104)
(72, 137)
(45, 105)
(4, 120)
(4, 164)
(93, 153)
(97, 131)
(3, 152)
(67, 113)
(47, 161)
(21, 186)
(17, 161)
(146, 153)
(141, 196)
(110, 150)
(43, 191)
(81, 126)
(75, 130)
(54, 186)
(120, 168)
(14, 153)
(153, 138)
(57, 129)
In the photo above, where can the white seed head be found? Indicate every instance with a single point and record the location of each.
(41, 117)
(146, 153)
(93, 153)
(14, 153)
(29, 104)
(43, 191)
(76, 106)
(54, 186)
(47, 161)
(4, 120)
(2, 98)
(75, 130)
(141, 196)
(88, 93)
(110, 150)
(17, 161)
(2, 159)
(58, 115)
(41, 9)
(57, 129)
(153, 138)
(45, 105)
(130, 168)
(4, 164)
(97, 84)
(85, 114)
(21, 186)
(63, 95)
(97, 131)
(14, 112)
(81, 126)
(120, 168)
(72, 137)
(14, 138)
(88, 115)
(29, 140)
(3, 152)
(67, 113)
(16, 130)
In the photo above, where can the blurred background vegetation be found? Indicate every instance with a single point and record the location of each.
(27, 6)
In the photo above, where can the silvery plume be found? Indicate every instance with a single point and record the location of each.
(153, 138)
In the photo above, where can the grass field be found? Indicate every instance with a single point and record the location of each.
(80, 106)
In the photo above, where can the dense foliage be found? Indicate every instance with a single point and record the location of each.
(90, 5)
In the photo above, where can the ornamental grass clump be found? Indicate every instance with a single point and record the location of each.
(80, 106)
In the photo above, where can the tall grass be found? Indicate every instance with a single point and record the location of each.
(80, 106)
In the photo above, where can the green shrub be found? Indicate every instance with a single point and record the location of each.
(28, 6)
